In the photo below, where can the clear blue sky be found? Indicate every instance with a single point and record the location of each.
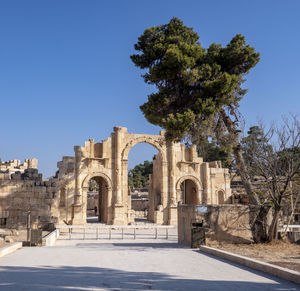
(66, 76)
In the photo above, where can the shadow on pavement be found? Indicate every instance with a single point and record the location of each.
(127, 246)
(91, 278)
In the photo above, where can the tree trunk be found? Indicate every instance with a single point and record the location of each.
(259, 225)
(244, 175)
(240, 163)
(274, 225)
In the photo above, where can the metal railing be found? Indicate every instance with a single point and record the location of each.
(88, 229)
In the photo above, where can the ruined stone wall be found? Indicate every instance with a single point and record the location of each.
(225, 223)
(24, 192)
(141, 204)
(12, 166)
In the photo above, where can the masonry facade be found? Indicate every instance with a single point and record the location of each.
(179, 177)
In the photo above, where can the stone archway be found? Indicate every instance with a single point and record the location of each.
(193, 190)
(108, 160)
(158, 143)
(104, 199)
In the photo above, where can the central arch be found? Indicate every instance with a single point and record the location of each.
(144, 139)
(154, 201)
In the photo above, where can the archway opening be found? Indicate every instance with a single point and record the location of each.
(221, 198)
(188, 191)
(97, 200)
(141, 200)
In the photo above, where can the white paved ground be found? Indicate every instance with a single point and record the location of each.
(127, 265)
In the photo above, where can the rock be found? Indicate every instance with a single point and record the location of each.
(14, 232)
(4, 232)
(47, 183)
(9, 239)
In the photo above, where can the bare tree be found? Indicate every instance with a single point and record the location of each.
(274, 155)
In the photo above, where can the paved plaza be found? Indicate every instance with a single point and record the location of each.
(144, 264)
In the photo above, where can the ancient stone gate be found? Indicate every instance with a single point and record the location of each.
(179, 176)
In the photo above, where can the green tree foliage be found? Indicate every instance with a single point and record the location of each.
(138, 177)
(255, 142)
(93, 186)
(210, 152)
(198, 89)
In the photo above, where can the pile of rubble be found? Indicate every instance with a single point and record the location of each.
(8, 235)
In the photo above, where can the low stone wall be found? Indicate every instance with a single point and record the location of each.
(50, 239)
(141, 204)
(227, 223)
(140, 214)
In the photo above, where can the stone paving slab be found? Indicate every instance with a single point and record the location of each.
(127, 265)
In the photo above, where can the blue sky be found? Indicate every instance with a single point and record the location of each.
(66, 76)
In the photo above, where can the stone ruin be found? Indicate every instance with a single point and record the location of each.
(22, 189)
(13, 166)
(179, 177)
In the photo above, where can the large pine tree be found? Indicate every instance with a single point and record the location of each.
(198, 89)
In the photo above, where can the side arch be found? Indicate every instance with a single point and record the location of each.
(85, 183)
(105, 211)
(220, 193)
(199, 188)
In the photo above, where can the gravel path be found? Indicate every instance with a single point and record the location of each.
(127, 265)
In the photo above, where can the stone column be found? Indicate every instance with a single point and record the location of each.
(206, 182)
(172, 168)
(92, 146)
(126, 198)
(84, 202)
(77, 198)
(125, 177)
(78, 217)
(164, 199)
(118, 165)
(110, 214)
(194, 154)
(172, 205)
(118, 205)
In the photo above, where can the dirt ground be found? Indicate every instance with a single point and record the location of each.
(16, 235)
(19, 235)
(280, 253)
(3, 244)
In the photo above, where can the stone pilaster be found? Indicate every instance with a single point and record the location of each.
(77, 206)
(172, 207)
(77, 198)
(206, 184)
(118, 165)
(118, 207)
(172, 168)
